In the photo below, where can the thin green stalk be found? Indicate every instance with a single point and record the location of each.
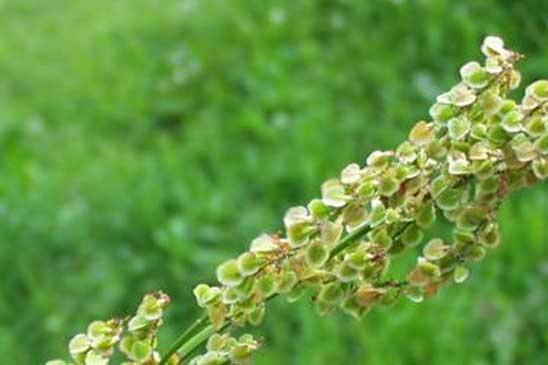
(183, 338)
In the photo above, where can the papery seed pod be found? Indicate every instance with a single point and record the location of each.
(330, 232)
(435, 249)
(331, 293)
(248, 263)
(286, 281)
(540, 168)
(351, 306)
(388, 185)
(334, 194)
(228, 273)
(476, 253)
(263, 243)
(474, 75)
(426, 215)
(411, 236)
(441, 113)
(378, 213)
(317, 254)
(351, 174)
(460, 274)
(421, 134)
(94, 358)
(542, 144)
(415, 294)
(255, 317)
(79, 344)
(538, 89)
(346, 273)
(265, 285)
(458, 127)
(318, 209)
(140, 351)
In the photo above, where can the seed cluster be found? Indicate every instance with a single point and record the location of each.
(478, 146)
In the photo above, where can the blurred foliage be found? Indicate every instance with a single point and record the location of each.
(143, 142)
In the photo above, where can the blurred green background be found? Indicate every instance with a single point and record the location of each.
(142, 142)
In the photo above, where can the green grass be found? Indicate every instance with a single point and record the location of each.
(143, 142)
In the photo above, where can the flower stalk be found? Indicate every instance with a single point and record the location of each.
(477, 146)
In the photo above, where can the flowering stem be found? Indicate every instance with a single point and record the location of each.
(183, 338)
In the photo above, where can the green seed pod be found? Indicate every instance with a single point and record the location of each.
(474, 75)
(471, 218)
(440, 185)
(450, 199)
(228, 273)
(286, 281)
(245, 289)
(351, 306)
(539, 89)
(421, 134)
(380, 159)
(323, 308)
(211, 358)
(460, 274)
(490, 103)
(248, 263)
(205, 295)
(357, 260)
(428, 268)
(299, 234)
(351, 174)
(216, 342)
(426, 216)
(511, 122)
(388, 186)
(378, 213)
(381, 237)
(490, 235)
(346, 273)
(230, 296)
(435, 249)
(331, 293)
(458, 127)
(536, 126)
(79, 344)
(391, 296)
(295, 293)
(354, 215)
(540, 168)
(217, 314)
(255, 317)
(367, 189)
(334, 194)
(95, 358)
(317, 254)
(140, 351)
(415, 294)
(542, 144)
(330, 232)
(263, 243)
(318, 209)
(441, 113)
(436, 149)
(138, 323)
(411, 236)
(475, 253)
(479, 131)
(265, 285)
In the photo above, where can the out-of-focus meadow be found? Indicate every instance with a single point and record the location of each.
(142, 142)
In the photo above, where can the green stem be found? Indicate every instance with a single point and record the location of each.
(348, 240)
(196, 341)
(183, 338)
